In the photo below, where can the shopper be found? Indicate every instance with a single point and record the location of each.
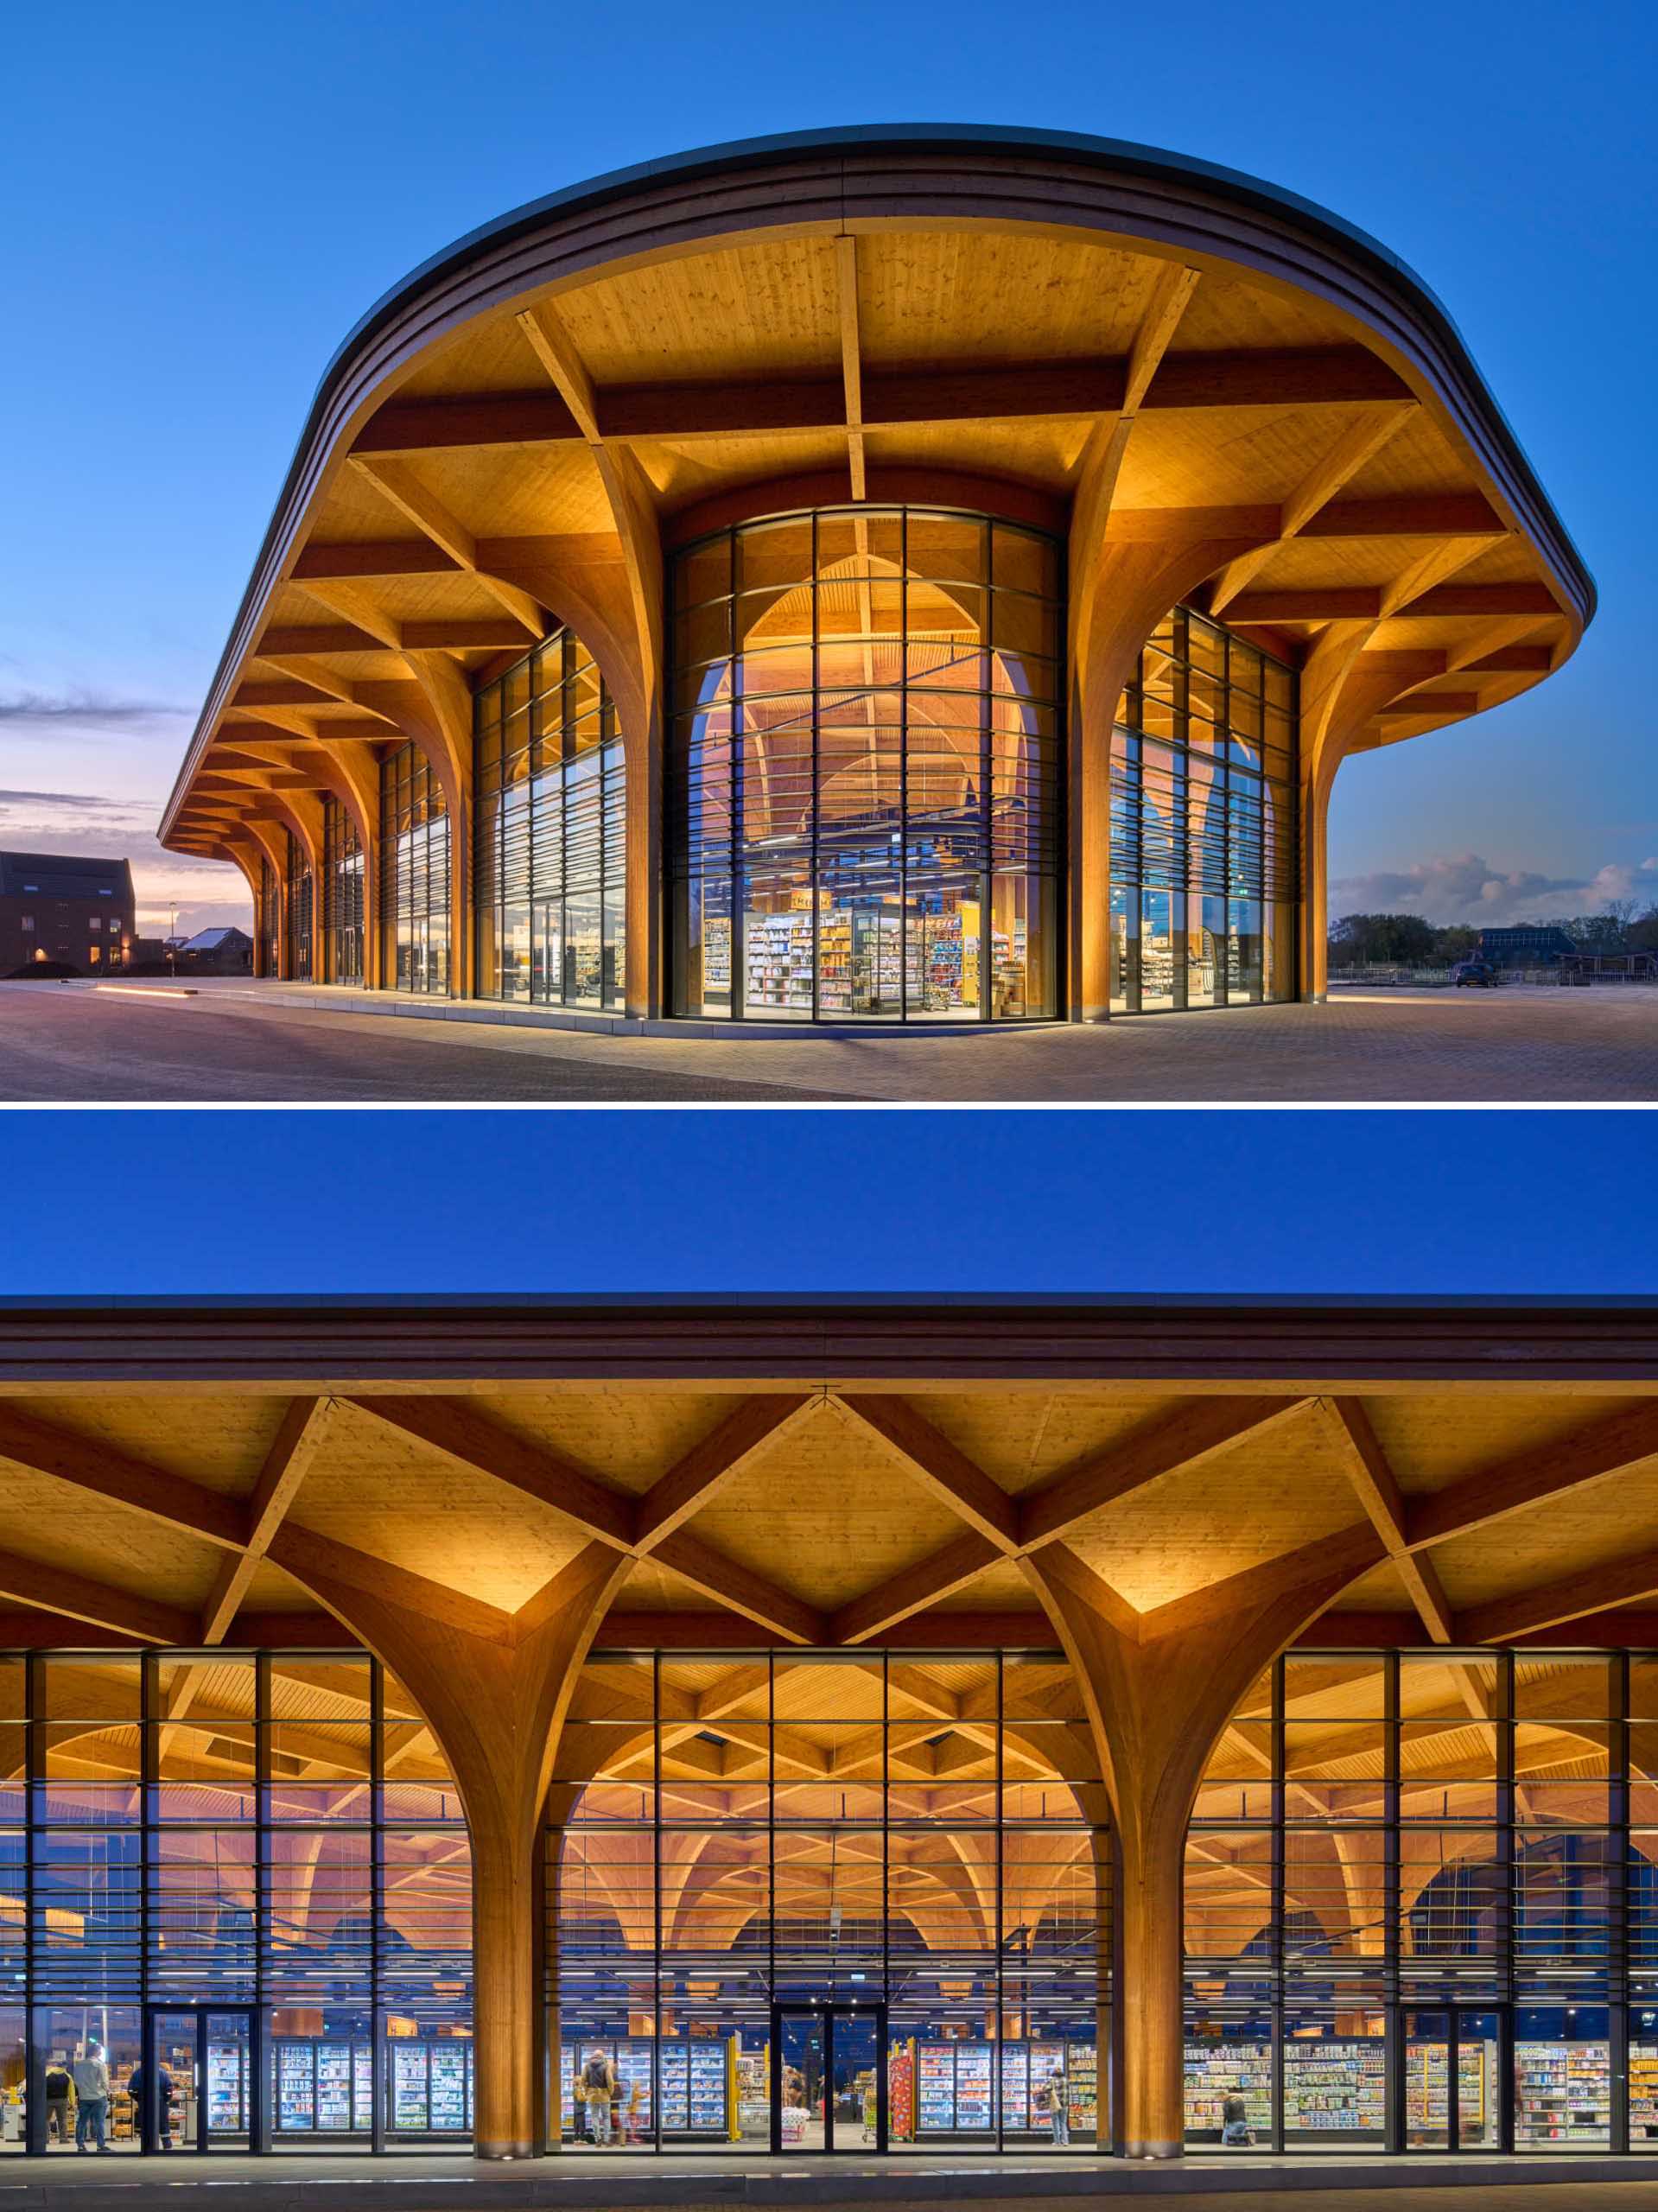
(91, 2097)
(136, 2086)
(1059, 2109)
(1235, 2131)
(60, 2104)
(598, 2088)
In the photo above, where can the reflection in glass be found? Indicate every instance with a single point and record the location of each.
(414, 874)
(863, 769)
(550, 833)
(1205, 870)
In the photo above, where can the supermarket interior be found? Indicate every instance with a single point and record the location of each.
(760, 1730)
(239, 1883)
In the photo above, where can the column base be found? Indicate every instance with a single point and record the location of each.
(1153, 2149)
(504, 2150)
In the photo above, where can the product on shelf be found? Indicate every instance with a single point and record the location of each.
(1643, 2092)
(333, 2087)
(410, 2105)
(973, 2112)
(224, 2114)
(1563, 2094)
(1217, 2070)
(1335, 2088)
(296, 2087)
(754, 2092)
(449, 2088)
(1082, 2087)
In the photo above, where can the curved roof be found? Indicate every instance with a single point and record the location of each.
(1287, 292)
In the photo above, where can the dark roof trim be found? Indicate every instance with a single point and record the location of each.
(335, 1342)
(1169, 197)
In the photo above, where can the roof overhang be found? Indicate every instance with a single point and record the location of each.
(1477, 627)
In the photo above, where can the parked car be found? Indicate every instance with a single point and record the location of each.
(1476, 971)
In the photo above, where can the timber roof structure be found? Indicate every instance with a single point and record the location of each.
(1140, 350)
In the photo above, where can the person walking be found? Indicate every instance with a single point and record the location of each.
(92, 2074)
(598, 2086)
(60, 2104)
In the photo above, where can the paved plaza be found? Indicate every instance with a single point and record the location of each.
(415, 2183)
(258, 1043)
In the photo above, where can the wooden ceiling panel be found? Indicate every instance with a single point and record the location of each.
(683, 473)
(1042, 453)
(1434, 1441)
(1550, 1542)
(69, 1533)
(491, 355)
(1020, 1441)
(522, 491)
(1417, 460)
(828, 1516)
(219, 1442)
(1228, 311)
(1273, 1494)
(626, 1438)
(377, 1491)
(674, 320)
(998, 295)
(1234, 456)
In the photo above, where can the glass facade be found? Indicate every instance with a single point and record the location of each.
(298, 910)
(827, 1900)
(550, 832)
(343, 916)
(245, 1873)
(269, 919)
(414, 874)
(1422, 1906)
(863, 769)
(1205, 881)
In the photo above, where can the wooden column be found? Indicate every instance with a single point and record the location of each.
(1159, 1688)
(494, 1688)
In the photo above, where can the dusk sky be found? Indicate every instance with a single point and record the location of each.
(204, 199)
(602, 1201)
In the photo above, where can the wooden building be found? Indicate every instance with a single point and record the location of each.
(865, 574)
(878, 1713)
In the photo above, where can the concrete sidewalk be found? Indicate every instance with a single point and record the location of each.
(417, 2183)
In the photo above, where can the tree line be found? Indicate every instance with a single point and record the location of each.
(1409, 940)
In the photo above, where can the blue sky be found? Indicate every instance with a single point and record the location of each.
(602, 1201)
(203, 198)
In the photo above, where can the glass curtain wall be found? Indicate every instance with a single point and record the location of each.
(821, 1900)
(551, 830)
(342, 892)
(414, 874)
(298, 910)
(1205, 879)
(269, 919)
(1419, 1907)
(864, 768)
(248, 1871)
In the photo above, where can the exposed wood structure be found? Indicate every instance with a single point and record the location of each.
(486, 1495)
(1215, 392)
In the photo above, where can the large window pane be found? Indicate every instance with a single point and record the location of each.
(864, 770)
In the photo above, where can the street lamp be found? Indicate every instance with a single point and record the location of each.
(172, 940)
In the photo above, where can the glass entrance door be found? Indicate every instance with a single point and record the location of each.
(1454, 2079)
(196, 2089)
(828, 2086)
